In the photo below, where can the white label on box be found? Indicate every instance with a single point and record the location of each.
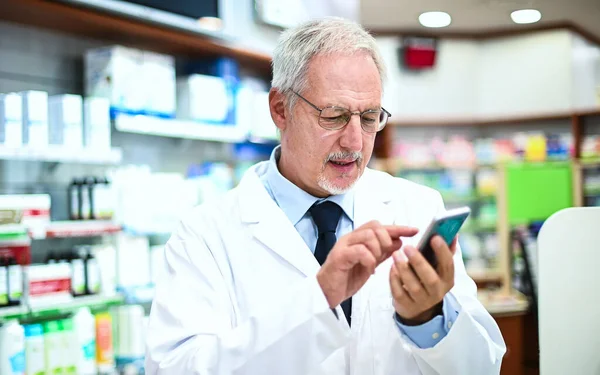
(73, 136)
(13, 135)
(38, 134)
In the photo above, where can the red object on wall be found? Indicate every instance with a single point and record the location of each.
(419, 53)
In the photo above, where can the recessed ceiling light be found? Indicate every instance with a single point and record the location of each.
(526, 16)
(435, 19)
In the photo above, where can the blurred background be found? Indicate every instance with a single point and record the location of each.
(118, 116)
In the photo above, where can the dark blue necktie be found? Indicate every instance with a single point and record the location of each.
(326, 216)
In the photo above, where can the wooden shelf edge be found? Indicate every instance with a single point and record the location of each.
(91, 23)
(491, 121)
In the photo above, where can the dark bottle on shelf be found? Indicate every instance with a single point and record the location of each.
(3, 282)
(101, 199)
(86, 207)
(94, 186)
(78, 284)
(51, 258)
(75, 199)
(14, 281)
(92, 273)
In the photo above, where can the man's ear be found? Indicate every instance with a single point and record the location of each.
(278, 107)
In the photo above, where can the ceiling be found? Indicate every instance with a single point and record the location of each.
(476, 15)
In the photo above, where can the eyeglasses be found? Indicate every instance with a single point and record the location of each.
(335, 118)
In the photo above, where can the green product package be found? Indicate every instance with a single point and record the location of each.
(68, 347)
(53, 347)
(535, 191)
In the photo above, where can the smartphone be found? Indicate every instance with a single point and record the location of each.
(447, 226)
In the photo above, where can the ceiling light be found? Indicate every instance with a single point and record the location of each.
(435, 19)
(526, 16)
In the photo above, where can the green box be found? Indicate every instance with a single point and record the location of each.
(537, 190)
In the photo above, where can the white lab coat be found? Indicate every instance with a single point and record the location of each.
(240, 296)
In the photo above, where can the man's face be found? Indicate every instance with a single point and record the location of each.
(326, 162)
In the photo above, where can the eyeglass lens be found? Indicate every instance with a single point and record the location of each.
(336, 118)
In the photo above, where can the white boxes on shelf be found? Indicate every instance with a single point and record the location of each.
(11, 120)
(159, 80)
(96, 123)
(35, 118)
(206, 99)
(66, 120)
(134, 81)
(115, 73)
(262, 128)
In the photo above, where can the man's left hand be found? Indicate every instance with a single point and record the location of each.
(417, 288)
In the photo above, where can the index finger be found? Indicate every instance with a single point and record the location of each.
(397, 231)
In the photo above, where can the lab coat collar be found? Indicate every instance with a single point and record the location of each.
(294, 201)
(270, 225)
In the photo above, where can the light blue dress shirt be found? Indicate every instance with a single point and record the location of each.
(295, 202)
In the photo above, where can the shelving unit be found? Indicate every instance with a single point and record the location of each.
(60, 154)
(63, 229)
(178, 128)
(13, 312)
(48, 312)
(574, 121)
(92, 23)
(84, 228)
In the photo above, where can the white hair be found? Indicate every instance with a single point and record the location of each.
(297, 46)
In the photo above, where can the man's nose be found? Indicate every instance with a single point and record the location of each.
(351, 138)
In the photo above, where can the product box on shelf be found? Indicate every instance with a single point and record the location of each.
(206, 98)
(35, 118)
(96, 123)
(18, 249)
(29, 210)
(66, 120)
(159, 78)
(11, 120)
(135, 81)
(590, 147)
(116, 73)
(48, 284)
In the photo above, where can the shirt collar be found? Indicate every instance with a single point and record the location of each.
(292, 200)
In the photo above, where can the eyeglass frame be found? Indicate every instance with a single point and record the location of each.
(320, 110)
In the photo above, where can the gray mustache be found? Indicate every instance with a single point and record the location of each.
(345, 155)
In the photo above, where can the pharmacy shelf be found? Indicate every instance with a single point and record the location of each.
(95, 303)
(486, 276)
(13, 312)
(149, 125)
(12, 229)
(507, 308)
(395, 165)
(69, 229)
(25, 313)
(80, 21)
(474, 121)
(480, 227)
(60, 154)
(590, 163)
(591, 190)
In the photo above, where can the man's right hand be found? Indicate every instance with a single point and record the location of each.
(355, 256)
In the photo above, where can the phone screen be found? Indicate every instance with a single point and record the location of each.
(447, 228)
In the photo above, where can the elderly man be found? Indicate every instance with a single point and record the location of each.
(308, 266)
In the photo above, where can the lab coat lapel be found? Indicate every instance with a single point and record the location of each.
(271, 227)
(374, 200)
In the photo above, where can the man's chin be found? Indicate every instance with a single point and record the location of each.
(337, 187)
